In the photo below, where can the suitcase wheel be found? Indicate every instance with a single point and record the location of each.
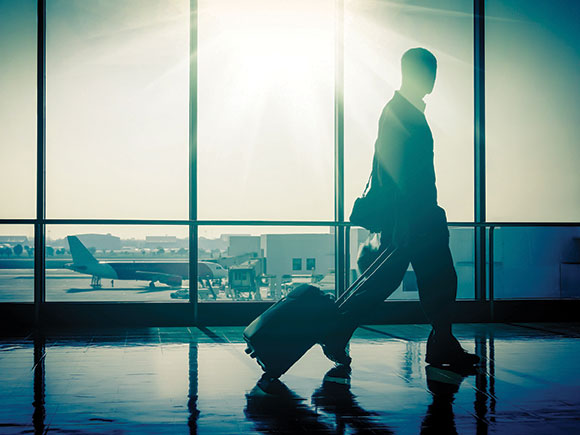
(250, 352)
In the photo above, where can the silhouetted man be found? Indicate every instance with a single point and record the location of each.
(403, 165)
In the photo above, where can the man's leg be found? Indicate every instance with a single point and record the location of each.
(437, 283)
(436, 279)
(376, 289)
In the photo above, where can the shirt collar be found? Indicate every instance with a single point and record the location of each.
(416, 102)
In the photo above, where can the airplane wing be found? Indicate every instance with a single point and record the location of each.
(165, 278)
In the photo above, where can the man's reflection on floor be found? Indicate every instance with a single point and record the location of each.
(337, 399)
(443, 383)
(275, 408)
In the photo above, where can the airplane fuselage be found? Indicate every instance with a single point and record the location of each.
(167, 273)
(170, 273)
(130, 270)
(102, 270)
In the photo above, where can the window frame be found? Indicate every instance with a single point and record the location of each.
(483, 229)
(296, 264)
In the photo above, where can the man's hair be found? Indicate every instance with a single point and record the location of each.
(417, 59)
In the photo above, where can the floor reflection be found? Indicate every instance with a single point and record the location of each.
(190, 380)
(337, 399)
(274, 408)
(39, 414)
(193, 389)
(443, 383)
(481, 385)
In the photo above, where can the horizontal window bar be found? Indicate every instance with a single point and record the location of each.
(531, 224)
(257, 223)
(17, 221)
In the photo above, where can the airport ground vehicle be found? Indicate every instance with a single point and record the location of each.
(246, 278)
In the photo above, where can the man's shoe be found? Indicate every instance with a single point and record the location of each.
(335, 345)
(445, 350)
(337, 354)
(338, 375)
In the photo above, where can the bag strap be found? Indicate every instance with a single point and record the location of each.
(368, 183)
(373, 171)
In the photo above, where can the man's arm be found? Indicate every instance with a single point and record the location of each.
(391, 150)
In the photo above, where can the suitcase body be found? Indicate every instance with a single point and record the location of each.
(289, 328)
(285, 331)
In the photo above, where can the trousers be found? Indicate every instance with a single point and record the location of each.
(427, 250)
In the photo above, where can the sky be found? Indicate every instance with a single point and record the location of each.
(117, 107)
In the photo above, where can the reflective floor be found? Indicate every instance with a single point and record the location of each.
(199, 380)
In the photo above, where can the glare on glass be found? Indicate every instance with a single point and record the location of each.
(117, 123)
(18, 108)
(376, 35)
(532, 114)
(265, 109)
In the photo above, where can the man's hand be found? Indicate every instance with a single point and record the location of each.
(401, 230)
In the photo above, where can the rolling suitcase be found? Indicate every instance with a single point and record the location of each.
(289, 328)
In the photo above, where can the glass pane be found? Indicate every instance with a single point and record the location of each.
(461, 243)
(16, 263)
(117, 109)
(376, 36)
(18, 108)
(116, 263)
(266, 109)
(532, 89)
(263, 263)
(536, 263)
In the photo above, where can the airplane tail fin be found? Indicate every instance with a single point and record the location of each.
(80, 254)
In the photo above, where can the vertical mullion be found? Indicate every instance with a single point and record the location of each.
(193, 230)
(39, 226)
(339, 148)
(490, 261)
(479, 146)
(347, 277)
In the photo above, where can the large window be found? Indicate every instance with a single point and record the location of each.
(17, 108)
(16, 263)
(117, 109)
(265, 109)
(117, 263)
(376, 35)
(532, 86)
(257, 263)
(535, 262)
(235, 134)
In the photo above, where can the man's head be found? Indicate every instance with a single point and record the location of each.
(419, 68)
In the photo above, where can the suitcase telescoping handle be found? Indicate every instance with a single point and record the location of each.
(383, 257)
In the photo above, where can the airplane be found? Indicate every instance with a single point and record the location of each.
(171, 274)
